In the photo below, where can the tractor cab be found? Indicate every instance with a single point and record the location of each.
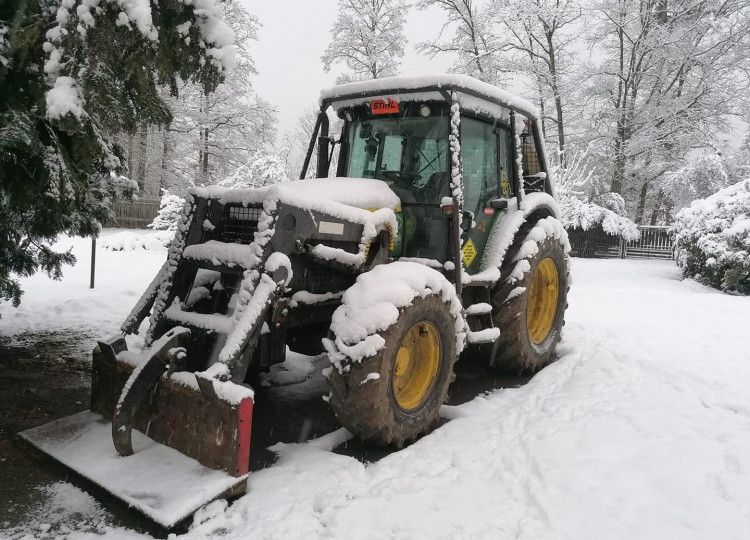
(451, 193)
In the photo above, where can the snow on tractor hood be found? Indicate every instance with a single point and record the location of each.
(317, 193)
(364, 193)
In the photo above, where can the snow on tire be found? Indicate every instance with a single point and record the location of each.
(530, 299)
(394, 341)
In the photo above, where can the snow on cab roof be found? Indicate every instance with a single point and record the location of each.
(460, 83)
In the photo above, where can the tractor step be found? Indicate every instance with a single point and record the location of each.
(478, 309)
(488, 335)
(159, 481)
(481, 327)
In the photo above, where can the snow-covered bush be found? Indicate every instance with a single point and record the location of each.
(130, 241)
(169, 212)
(713, 239)
(579, 214)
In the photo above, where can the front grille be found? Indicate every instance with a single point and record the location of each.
(316, 278)
(240, 223)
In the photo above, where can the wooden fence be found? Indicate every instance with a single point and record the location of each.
(654, 243)
(136, 214)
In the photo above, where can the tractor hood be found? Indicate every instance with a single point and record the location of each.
(313, 193)
(311, 213)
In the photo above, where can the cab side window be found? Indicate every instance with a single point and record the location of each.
(479, 149)
(530, 161)
(505, 157)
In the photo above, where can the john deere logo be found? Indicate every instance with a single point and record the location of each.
(384, 106)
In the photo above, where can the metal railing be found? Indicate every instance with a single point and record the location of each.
(654, 243)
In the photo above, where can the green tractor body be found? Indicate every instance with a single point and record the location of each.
(438, 232)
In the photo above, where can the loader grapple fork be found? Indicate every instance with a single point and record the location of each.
(140, 384)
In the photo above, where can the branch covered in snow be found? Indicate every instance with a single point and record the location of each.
(578, 214)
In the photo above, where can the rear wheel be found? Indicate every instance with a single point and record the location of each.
(529, 302)
(395, 395)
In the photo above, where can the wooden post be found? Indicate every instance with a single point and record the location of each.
(93, 261)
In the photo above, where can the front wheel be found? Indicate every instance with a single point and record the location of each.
(395, 395)
(529, 302)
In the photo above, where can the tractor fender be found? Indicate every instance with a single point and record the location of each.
(535, 206)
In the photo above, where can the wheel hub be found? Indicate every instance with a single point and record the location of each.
(542, 301)
(416, 367)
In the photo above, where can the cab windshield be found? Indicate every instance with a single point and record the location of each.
(410, 153)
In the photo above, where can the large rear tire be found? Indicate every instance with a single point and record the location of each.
(529, 300)
(395, 395)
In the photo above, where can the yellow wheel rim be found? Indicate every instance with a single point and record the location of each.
(542, 301)
(417, 362)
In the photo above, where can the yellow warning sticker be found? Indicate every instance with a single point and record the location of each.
(469, 251)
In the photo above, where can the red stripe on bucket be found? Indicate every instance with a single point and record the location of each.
(245, 414)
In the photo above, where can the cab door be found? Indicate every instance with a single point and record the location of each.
(486, 152)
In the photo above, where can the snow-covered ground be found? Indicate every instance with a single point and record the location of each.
(640, 430)
(121, 277)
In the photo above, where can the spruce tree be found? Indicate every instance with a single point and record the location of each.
(73, 73)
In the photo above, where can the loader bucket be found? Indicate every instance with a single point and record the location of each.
(190, 437)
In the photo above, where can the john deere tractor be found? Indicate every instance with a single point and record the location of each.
(438, 233)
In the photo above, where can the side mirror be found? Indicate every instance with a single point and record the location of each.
(499, 204)
(467, 221)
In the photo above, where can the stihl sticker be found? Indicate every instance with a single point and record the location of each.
(489, 211)
(384, 106)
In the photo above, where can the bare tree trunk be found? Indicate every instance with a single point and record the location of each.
(641, 203)
(204, 161)
(657, 206)
(140, 175)
(555, 85)
(165, 151)
(131, 157)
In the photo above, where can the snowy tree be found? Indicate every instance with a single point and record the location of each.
(473, 40)
(698, 179)
(74, 73)
(367, 38)
(737, 162)
(579, 213)
(666, 76)
(262, 170)
(170, 209)
(539, 38)
(532, 38)
(213, 134)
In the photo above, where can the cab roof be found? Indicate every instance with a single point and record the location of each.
(472, 93)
